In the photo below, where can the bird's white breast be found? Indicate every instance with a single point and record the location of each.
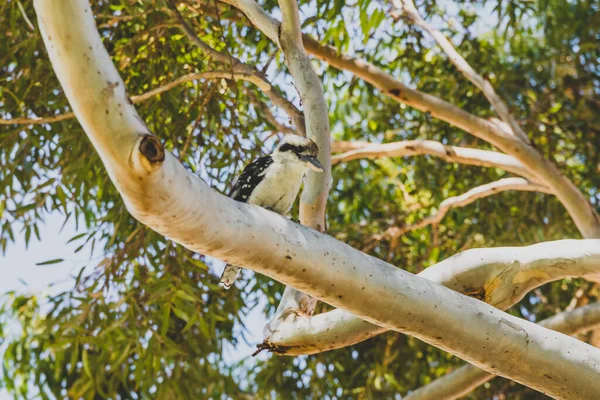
(279, 188)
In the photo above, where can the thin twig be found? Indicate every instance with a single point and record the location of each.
(463, 200)
(25, 17)
(203, 105)
(206, 49)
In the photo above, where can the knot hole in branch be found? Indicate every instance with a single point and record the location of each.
(152, 149)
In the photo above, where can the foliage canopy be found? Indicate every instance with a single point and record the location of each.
(149, 319)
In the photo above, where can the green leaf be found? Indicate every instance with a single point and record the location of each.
(122, 357)
(49, 262)
(74, 356)
(86, 363)
(204, 328)
(76, 237)
(185, 296)
(27, 236)
(37, 232)
(181, 314)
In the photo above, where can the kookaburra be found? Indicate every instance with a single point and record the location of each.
(273, 182)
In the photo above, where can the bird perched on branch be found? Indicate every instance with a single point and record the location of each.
(273, 182)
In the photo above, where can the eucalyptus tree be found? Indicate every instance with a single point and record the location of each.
(451, 140)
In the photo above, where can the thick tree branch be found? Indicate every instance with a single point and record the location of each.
(409, 9)
(463, 200)
(158, 191)
(460, 155)
(577, 205)
(499, 276)
(465, 379)
(580, 209)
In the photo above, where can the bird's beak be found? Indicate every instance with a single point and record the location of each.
(312, 163)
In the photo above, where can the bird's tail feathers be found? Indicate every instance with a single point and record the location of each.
(229, 275)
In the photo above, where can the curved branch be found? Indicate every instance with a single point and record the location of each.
(584, 215)
(243, 76)
(499, 276)
(408, 7)
(159, 192)
(341, 146)
(463, 200)
(461, 155)
(467, 378)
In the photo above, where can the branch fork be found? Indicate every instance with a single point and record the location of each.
(179, 205)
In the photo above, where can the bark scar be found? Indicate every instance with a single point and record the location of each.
(110, 89)
(152, 148)
(272, 348)
(514, 326)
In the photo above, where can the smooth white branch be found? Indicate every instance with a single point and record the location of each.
(467, 378)
(499, 276)
(314, 197)
(461, 155)
(159, 192)
(580, 209)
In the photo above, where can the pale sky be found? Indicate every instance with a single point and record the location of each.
(20, 273)
(18, 269)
